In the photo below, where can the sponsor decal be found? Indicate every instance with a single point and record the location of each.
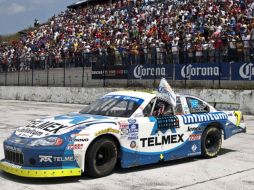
(197, 118)
(73, 138)
(194, 153)
(133, 144)
(194, 148)
(80, 135)
(195, 128)
(46, 126)
(128, 98)
(64, 159)
(31, 132)
(124, 131)
(133, 132)
(194, 104)
(132, 136)
(133, 99)
(194, 137)
(14, 149)
(132, 120)
(45, 158)
(155, 141)
(80, 140)
(123, 125)
(75, 146)
(105, 131)
(133, 128)
(56, 159)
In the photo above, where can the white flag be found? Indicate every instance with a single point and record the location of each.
(166, 93)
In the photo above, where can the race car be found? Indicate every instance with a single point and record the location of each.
(130, 127)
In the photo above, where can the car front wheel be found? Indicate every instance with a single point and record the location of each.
(211, 142)
(101, 157)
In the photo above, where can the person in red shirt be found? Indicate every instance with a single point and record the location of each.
(217, 46)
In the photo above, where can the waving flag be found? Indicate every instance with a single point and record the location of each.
(166, 93)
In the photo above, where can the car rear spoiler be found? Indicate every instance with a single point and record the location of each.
(229, 106)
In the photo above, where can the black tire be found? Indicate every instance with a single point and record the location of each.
(101, 157)
(211, 142)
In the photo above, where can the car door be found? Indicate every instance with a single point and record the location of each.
(190, 126)
(177, 138)
(171, 133)
(157, 132)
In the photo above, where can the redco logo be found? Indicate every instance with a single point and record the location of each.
(45, 158)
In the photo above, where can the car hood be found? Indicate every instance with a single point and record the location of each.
(57, 125)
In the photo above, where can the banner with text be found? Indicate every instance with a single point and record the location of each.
(151, 71)
(202, 71)
(242, 71)
(110, 72)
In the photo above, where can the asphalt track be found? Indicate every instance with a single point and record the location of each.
(232, 169)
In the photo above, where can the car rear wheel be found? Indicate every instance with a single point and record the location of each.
(211, 142)
(101, 157)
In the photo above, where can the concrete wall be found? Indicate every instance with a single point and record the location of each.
(53, 94)
(87, 95)
(245, 98)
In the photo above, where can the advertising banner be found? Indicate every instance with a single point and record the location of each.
(151, 71)
(202, 71)
(111, 72)
(242, 71)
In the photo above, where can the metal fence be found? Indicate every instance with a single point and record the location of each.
(120, 64)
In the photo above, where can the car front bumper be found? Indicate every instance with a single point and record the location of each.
(34, 172)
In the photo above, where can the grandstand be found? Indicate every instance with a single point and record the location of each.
(137, 32)
(83, 3)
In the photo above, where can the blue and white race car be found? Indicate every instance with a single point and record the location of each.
(134, 128)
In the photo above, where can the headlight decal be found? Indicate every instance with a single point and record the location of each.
(47, 141)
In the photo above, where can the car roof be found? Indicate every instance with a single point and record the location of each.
(141, 94)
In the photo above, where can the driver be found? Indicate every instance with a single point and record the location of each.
(159, 109)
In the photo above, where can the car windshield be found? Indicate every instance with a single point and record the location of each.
(115, 106)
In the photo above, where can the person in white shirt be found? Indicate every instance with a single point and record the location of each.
(246, 47)
(175, 51)
(232, 48)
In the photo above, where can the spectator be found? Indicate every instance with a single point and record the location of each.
(148, 30)
(246, 47)
(199, 51)
(232, 49)
(239, 47)
(175, 51)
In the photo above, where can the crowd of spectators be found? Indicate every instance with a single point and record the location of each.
(138, 31)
